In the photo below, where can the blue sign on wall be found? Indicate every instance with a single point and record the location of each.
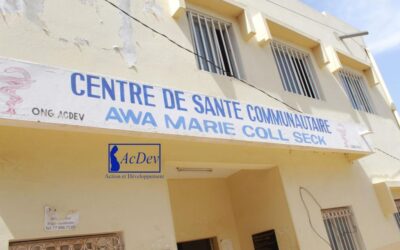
(134, 158)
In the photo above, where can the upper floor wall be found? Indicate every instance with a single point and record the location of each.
(95, 36)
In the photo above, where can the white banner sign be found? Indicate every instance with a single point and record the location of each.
(34, 92)
(53, 221)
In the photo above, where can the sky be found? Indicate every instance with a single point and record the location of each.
(382, 19)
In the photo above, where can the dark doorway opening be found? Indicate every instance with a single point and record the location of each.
(265, 241)
(204, 244)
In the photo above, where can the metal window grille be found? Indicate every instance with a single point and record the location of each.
(397, 215)
(355, 88)
(212, 40)
(92, 242)
(342, 229)
(296, 70)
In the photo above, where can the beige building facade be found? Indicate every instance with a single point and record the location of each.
(276, 133)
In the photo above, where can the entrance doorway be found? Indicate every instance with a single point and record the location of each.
(265, 241)
(235, 210)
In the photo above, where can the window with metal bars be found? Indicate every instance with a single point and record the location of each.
(341, 228)
(356, 90)
(296, 70)
(397, 215)
(213, 41)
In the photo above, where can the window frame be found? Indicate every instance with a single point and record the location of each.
(356, 99)
(341, 224)
(209, 37)
(290, 73)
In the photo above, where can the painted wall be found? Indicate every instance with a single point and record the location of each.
(67, 171)
(335, 181)
(234, 208)
(86, 43)
(201, 209)
(261, 200)
(259, 203)
(34, 173)
(82, 36)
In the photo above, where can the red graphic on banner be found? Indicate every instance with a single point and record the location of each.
(12, 85)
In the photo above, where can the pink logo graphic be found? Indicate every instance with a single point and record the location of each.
(13, 84)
